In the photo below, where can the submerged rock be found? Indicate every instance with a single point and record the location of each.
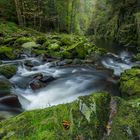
(84, 118)
(40, 81)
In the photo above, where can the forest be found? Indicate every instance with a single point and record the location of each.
(69, 69)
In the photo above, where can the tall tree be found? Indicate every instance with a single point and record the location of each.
(19, 15)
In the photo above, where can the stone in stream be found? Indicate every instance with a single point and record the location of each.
(77, 61)
(48, 58)
(5, 86)
(40, 81)
(10, 100)
(31, 63)
(47, 79)
(23, 82)
(64, 62)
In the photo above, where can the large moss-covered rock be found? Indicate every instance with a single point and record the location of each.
(126, 123)
(7, 53)
(5, 86)
(130, 83)
(41, 40)
(23, 40)
(30, 45)
(8, 70)
(85, 118)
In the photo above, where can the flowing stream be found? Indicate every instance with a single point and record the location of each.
(69, 82)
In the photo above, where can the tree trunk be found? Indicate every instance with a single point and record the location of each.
(19, 15)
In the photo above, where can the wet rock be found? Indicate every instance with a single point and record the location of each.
(93, 58)
(31, 63)
(49, 58)
(77, 61)
(8, 70)
(65, 62)
(10, 100)
(47, 79)
(23, 82)
(38, 76)
(36, 84)
(40, 82)
(5, 86)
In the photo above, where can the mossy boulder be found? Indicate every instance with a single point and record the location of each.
(29, 45)
(137, 57)
(5, 86)
(38, 52)
(23, 40)
(70, 46)
(8, 70)
(130, 83)
(77, 50)
(7, 53)
(126, 123)
(41, 40)
(9, 40)
(84, 118)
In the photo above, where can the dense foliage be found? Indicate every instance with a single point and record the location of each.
(116, 20)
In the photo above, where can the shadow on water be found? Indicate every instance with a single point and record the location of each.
(114, 47)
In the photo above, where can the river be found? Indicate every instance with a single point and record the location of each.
(68, 83)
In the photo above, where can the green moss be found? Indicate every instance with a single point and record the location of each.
(129, 83)
(37, 52)
(54, 47)
(137, 57)
(9, 41)
(9, 28)
(70, 46)
(86, 118)
(121, 26)
(126, 123)
(8, 70)
(23, 40)
(7, 53)
(5, 86)
(41, 40)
